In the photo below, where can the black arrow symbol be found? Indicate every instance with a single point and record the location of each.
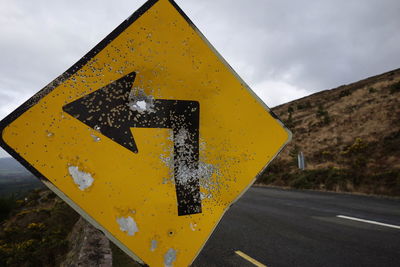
(115, 108)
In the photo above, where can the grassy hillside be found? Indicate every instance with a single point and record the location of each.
(34, 229)
(350, 137)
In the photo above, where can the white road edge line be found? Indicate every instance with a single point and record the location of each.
(368, 221)
(250, 259)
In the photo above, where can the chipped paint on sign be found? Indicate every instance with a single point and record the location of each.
(193, 226)
(128, 225)
(95, 138)
(203, 171)
(186, 170)
(169, 257)
(84, 180)
(140, 102)
(153, 245)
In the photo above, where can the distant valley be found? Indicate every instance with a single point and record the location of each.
(15, 179)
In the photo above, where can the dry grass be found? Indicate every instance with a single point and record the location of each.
(359, 113)
(326, 123)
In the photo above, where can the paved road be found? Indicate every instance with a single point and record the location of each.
(297, 228)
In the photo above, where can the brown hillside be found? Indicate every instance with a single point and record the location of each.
(354, 128)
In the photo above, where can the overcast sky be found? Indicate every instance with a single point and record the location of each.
(283, 49)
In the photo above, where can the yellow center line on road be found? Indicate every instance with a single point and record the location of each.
(250, 259)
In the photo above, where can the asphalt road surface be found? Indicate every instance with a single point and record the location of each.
(301, 228)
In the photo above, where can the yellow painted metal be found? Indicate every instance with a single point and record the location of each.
(238, 138)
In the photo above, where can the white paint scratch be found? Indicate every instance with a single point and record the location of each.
(82, 179)
(128, 225)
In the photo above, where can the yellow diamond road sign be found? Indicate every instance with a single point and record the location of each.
(151, 136)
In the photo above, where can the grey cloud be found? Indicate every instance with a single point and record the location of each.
(311, 44)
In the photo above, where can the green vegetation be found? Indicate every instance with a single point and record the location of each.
(395, 88)
(357, 171)
(333, 179)
(36, 231)
(7, 204)
(354, 151)
(304, 105)
(323, 115)
(289, 121)
(345, 93)
(391, 142)
(120, 258)
(293, 153)
(328, 179)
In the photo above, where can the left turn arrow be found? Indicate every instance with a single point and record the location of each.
(115, 108)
